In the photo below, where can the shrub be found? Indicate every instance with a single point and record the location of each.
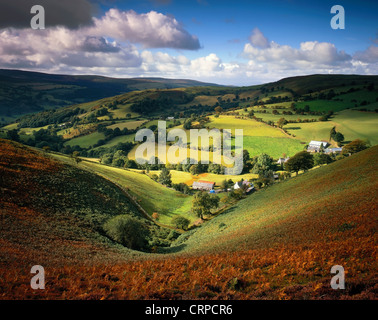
(127, 231)
(180, 222)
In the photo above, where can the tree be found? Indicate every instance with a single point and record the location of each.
(180, 222)
(281, 122)
(107, 158)
(246, 161)
(194, 169)
(75, 156)
(130, 163)
(202, 203)
(321, 158)
(165, 177)
(119, 159)
(263, 163)
(355, 146)
(13, 135)
(128, 231)
(338, 137)
(218, 109)
(224, 184)
(301, 161)
(332, 133)
(187, 124)
(215, 168)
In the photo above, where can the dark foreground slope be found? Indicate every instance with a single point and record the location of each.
(280, 243)
(53, 213)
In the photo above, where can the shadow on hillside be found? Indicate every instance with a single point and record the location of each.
(293, 128)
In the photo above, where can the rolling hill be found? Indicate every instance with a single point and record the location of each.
(27, 92)
(278, 243)
(347, 102)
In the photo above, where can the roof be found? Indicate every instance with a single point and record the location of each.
(244, 182)
(318, 143)
(330, 150)
(282, 160)
(203, 184)
(203, 181)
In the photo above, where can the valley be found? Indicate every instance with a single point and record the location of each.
(70, 182)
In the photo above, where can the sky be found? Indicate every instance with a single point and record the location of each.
(239, 42)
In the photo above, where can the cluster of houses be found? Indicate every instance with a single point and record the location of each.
(318, 146)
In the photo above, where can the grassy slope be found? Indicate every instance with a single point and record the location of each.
(318, 202)
(152, 196)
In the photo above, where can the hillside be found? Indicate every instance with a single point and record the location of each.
(279, 243)
(25, 92)
(53, 212)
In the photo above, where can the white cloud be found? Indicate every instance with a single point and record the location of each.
(310, 53)
(110, 42)
(258, 39)
(152, 29)
(370, 55)
(269, 61)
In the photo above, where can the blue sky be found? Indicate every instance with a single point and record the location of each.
(286, 22)
(228, 42)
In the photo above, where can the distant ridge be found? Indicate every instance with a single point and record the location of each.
(24, 92)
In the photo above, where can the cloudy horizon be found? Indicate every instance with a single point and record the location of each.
(171, 39)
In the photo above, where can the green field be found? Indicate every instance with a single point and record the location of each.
(131, 125)
(325, 105)
(358, 125)
(352, 124)
(87, 140)
(275, 147)
(250, 127)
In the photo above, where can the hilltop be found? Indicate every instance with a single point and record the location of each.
(280, 242)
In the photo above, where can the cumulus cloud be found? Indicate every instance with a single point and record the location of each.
(55, 47)
(370, 55)
(258, 40)
(152, 29)
(309, 53)
(68, 13)
(110, 42)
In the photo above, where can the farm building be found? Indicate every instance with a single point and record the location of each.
(315, 146)
(248, 185)
(241, 183)
(333, 150)
(203, 185)
(282, 160)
